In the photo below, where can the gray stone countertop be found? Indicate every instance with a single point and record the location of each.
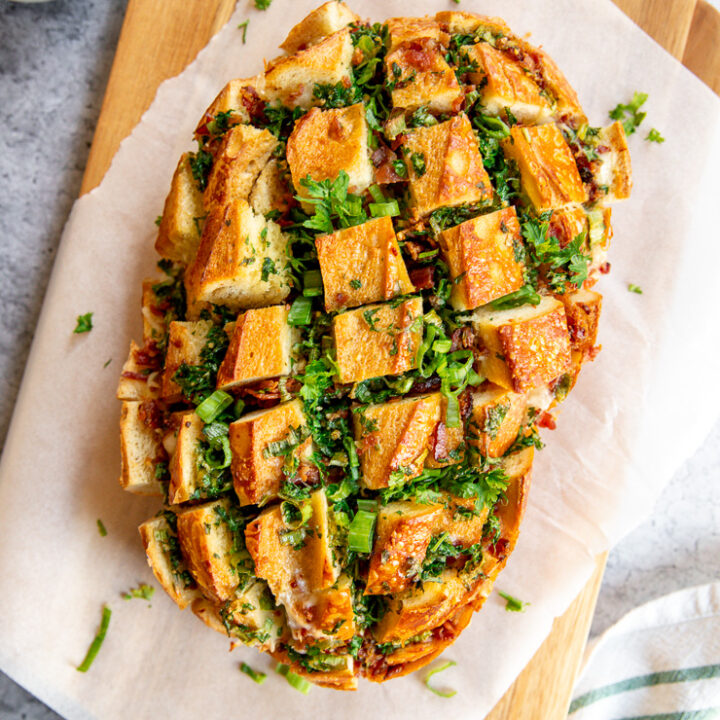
(54, 63)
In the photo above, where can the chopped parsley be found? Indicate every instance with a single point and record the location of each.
(629, 115)
(355, 284)
(333, 205)
(634, 289)
(142, 592)
(200, 165)
(84, 323)
(101, 528)
(655, 136)
(262, 4)
(268, 269)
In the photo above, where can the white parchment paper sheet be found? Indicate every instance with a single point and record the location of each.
(637, 412)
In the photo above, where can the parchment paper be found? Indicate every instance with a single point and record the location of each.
(637, 412)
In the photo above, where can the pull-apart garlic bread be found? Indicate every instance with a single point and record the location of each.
(377, 284)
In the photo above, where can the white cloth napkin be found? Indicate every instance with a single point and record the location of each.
(660, 662)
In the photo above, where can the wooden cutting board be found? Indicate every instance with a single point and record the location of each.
(160, 37)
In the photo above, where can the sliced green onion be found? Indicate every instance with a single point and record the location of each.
(298, 682)
(292, 537)
(362, 529)
(97, 642)
(442, 346)
(452, 412)
(435, 671)
(214, 431)
(512, 604)
(312, 283)
(213, 405)
(211, 459)
(381, 209)
(493, 126)
(377, 194)
(524, 296)
(300, 312)
(473, 378)
(455, 374)
(101, 528)
(254, 675)
(295, 514)
(428, 254)
(367, 505)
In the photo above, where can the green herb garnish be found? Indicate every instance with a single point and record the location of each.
(97, 642)
(512, 604)
(84, 323)
(435, 671)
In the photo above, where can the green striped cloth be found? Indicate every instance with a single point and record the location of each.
(660, 662)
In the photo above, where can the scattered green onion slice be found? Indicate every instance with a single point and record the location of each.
(367, 505)
(452, 412)
(362, 529)
(512, 604)
(427, 254)
(213, 405)
(101, 527)
(295, 514)
(97, 642)
(442, 346)
(292, 537)
(390, 208)
(238, 407)
(377, 194)
(221, 443)
(215, 430)
(254, 675)
(634, 288)
(312, 283)
(298, 682)
(435, 671)
(473, 378)
(300, 312)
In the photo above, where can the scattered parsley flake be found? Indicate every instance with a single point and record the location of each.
(84, 323)
(355, 284)
(630, 115)
(634, 289)
(655, 136)
(107, 362)
(142, 592)
(101, 528)
(262, 4)
(158, 220)
(512, 604)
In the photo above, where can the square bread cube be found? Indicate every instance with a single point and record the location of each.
(496, 418)
(321, 22)
(258, 442)
(235, 98)
(164, 557)
(422, 608)
(271, 189)
(295, 572)
(565, 99)
(186, 477)
(362, 264)
(291, 80)
(614, 173)
(405, 29)
(260, 347)
(324, 142)
(392, 438)
(462, 520)
(243, 153)
(419, 75)
(179, 235)
(186, 339)
(377, 340)
(402, 536)
(480, 254)
(464, 23)
(249, 615)
(139, 379)
(210, 548)
(504, 83)
(454, 172)
(548, 172)
(582, 310)
(526, 346)
(141, 449)
(241, 262)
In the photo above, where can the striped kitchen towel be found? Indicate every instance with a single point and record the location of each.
(660, 662)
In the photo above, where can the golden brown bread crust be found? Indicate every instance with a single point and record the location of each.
(348, 450)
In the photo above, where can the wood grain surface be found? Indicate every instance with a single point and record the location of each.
(161, 37)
